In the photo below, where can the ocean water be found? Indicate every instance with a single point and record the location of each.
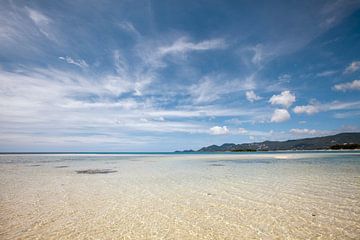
(287, 195)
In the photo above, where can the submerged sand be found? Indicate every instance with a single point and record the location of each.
(245, 196)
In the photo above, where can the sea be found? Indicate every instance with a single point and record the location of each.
(269, 195)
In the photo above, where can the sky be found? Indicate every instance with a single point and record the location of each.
(174, 75)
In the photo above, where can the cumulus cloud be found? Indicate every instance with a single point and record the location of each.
(280, 115)
(217, 130)
(286, 98)
(354, 85)
(251, 96)
(307, 109)
(78, 62)
(353, 67)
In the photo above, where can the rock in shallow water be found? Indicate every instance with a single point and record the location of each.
(95, 171)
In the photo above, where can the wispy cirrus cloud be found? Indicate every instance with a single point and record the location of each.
(308, 109)
(78, 62)
(211, 88)
(129, 27)
(309, 132)
(327, 73)
(23, 29)
(347, 114)
(325, 107)
(42, 22)
(353, 67)
(183, 45)
(42, 98)
(39, 19)
(349, 86)
(44, 101)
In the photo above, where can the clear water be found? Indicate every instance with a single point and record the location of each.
(181, 196)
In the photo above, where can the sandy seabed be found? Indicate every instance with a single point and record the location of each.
(242, 196)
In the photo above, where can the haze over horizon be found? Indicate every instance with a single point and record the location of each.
(173, 75)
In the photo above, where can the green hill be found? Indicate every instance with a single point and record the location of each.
(338, 141)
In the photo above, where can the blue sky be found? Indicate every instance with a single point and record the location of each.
(168, 75)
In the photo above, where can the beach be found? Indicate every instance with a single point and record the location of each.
(288, 195)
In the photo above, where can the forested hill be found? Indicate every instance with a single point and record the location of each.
(338, 141)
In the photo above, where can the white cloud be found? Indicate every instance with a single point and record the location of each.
(24, 33)
(38, 18)
(36, 100)
(207, 111)
(305, 132)
(182, 45)
(333, 12)
(353, 67)
(280, 115)
(217, 130)
(262, 135)
(211, 88)
(78, 62)
(328, 22)
(251, 96)
(348, 114)
(326, 73)
(42, 22)
(324, 107)
(242, 131)
(129, 27)
(153, 53)
(354, 85)
(308, 109)
(284, 78)
(336, 105)
(258, 54)
(286, 98)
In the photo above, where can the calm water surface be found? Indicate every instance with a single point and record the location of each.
(180, 196)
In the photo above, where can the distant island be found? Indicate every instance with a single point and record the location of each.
(346, 141)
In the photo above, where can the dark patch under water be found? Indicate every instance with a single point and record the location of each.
(95, 171)
(250, 161)
(216, 165)
(62, 166)
(35, 165)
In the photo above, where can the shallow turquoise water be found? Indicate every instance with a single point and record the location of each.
(181, 196)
